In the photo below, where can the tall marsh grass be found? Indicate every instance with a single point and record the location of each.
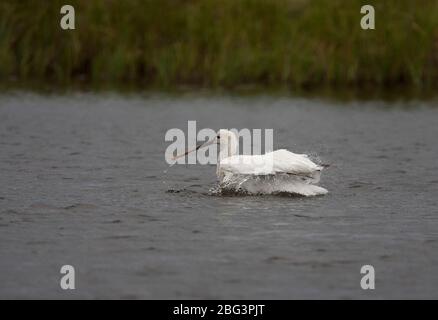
(221, 43)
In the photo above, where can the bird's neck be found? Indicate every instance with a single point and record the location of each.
(227, 149)
(224, 154)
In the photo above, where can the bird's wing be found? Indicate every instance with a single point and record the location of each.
(280, 161)
(292, 163)
(247, 164)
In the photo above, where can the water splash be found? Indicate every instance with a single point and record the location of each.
(270, 184)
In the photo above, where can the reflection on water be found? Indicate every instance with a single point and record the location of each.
(84, 182)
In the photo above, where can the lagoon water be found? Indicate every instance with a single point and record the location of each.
(84, 183)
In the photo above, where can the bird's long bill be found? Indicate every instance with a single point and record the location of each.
(199, 146)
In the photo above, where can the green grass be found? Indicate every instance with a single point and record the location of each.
(221, 43)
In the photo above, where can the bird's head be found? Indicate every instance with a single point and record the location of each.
(225, 139)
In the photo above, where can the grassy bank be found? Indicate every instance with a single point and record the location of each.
(221, 43)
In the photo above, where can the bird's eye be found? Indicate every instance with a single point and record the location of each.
(218, 137)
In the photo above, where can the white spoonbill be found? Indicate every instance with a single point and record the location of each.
(272, 172)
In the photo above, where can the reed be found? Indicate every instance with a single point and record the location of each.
(221, 43)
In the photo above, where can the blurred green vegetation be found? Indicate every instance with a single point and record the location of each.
(221, 43)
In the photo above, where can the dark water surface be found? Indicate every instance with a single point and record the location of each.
(84, 182)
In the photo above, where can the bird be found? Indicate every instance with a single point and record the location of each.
(275, 171)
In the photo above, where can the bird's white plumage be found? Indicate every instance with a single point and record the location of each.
(279, 161)
(276, 171)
